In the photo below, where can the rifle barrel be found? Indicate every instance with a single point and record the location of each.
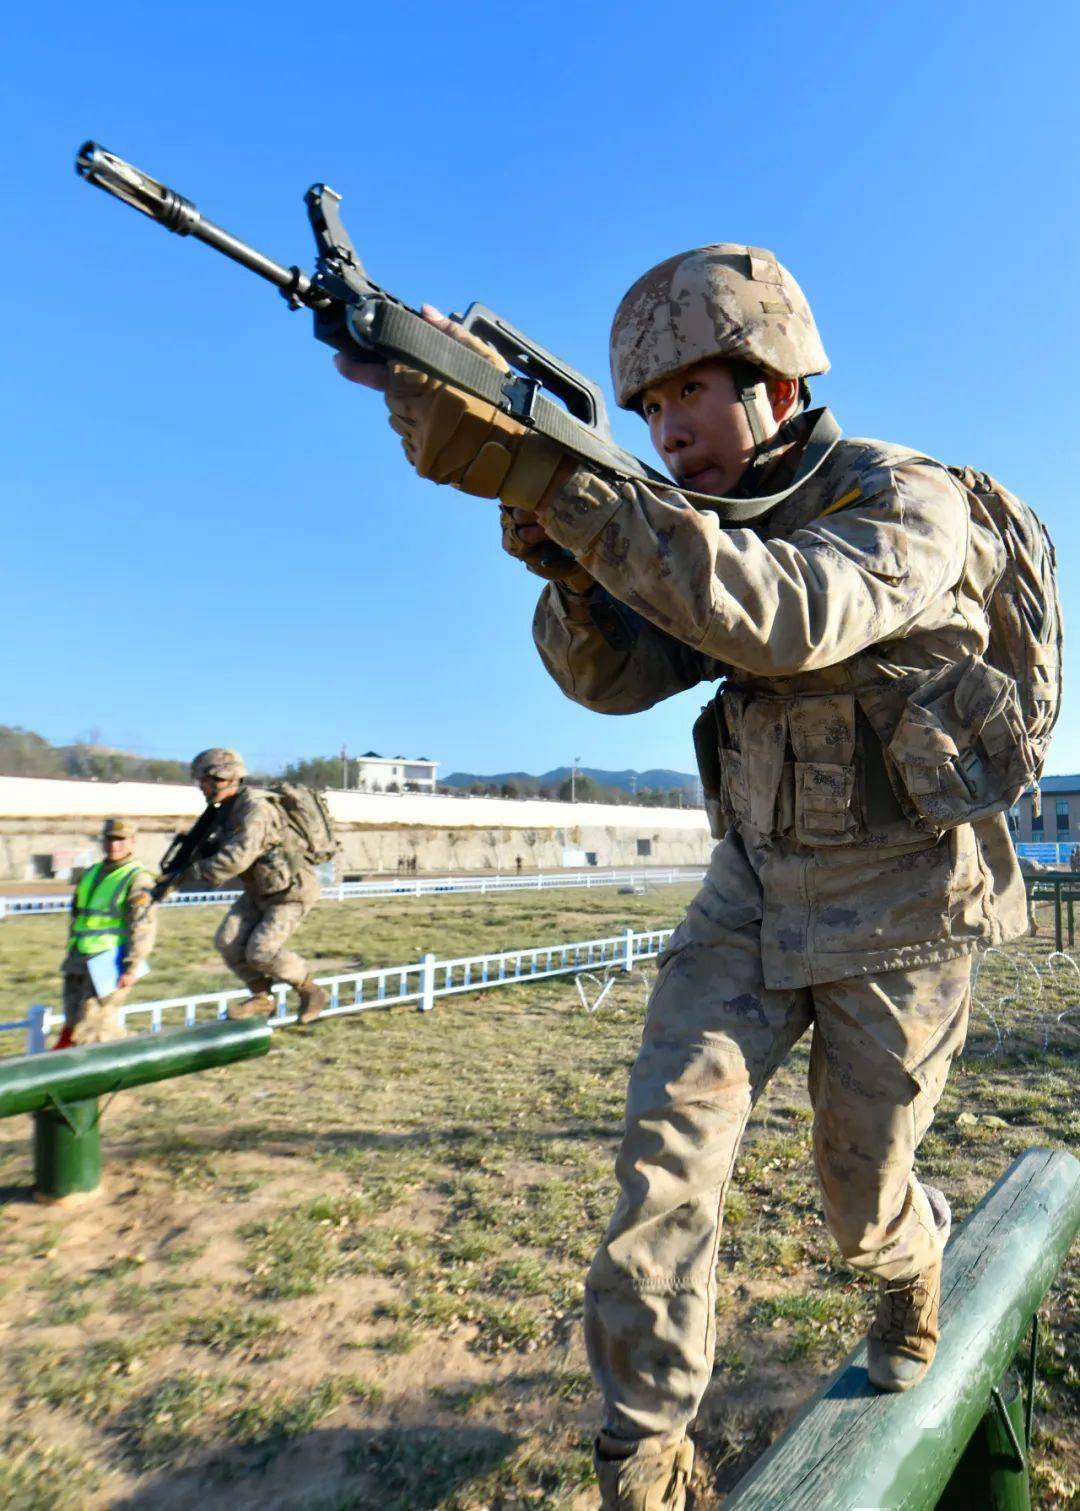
(124, 181)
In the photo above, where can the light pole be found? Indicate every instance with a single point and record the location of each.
(573, 779)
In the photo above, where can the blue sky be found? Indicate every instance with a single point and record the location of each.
(213, 539)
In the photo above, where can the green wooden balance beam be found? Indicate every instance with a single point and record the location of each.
(960, 1439)
(61, 1090)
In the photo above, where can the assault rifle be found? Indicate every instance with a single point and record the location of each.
(361, 319)
(202, 839)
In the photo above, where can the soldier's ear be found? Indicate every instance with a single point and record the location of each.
(784, 396)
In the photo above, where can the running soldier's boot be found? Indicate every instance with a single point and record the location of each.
(646, 1476)
(904, 1333)
(262, 1005)
(312, 1001)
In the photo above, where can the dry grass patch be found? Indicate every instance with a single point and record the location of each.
(351, 1274)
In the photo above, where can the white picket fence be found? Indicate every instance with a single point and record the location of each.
(420, 983)
(60, 902)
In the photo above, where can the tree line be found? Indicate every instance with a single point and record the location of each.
(24, 753)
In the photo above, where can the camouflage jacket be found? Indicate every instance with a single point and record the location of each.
(255, 851)
(822, 619)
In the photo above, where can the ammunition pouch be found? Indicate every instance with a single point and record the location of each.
(927, 750)
(273, 872)
(960, 750)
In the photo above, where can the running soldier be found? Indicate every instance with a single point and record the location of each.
(255, 848)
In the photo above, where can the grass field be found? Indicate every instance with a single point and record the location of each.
(350, 1275)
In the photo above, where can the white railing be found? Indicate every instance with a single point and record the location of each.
(60, 902)
(36, 1024)
(422, 982)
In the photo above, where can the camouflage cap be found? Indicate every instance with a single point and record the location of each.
(218, 761)
(726, 301)
(118, 828)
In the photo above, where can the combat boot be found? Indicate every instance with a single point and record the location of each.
(312, 1001)
(651, 1475)
(904, 1334)
(261, 1005)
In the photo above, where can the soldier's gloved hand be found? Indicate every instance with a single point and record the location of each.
(451, 437)
(524, 538)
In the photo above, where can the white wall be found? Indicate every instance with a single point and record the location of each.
(46, 798)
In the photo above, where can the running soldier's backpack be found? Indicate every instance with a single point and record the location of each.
(309, 820)
(1024, 609)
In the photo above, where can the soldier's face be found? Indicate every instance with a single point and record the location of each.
(216, 789)
(699, 427)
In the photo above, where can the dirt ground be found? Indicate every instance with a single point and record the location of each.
(350, 1274)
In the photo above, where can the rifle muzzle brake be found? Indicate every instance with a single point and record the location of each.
(136, 188)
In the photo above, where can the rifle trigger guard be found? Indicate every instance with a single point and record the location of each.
(520, 393)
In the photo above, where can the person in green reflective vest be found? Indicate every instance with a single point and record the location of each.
(111, 911)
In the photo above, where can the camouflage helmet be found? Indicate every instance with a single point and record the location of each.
(727, 301)
(218, 761)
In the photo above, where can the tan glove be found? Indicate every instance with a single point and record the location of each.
(451, 437)
(523, 538)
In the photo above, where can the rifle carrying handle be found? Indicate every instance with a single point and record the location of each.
(581, 396)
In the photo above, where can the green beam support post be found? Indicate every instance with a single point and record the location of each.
(61, 1090)
(67, 1150)
(993, 1471)
(852, 1447)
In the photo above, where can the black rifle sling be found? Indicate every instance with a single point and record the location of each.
(394, 330)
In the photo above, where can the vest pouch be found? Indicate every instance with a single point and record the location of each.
(822, 733)
(753, 741)
(272, 872)
(960, 751)
(824, 803)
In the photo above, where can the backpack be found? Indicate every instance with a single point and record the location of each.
(1024, 610)
(308, 819)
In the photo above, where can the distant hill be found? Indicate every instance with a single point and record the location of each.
(24, 753)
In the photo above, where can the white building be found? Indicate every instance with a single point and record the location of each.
(376, 773)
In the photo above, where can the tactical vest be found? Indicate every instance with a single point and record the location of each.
(895, 742)
(97, 921)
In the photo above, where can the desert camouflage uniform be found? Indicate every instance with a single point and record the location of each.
(94, 1021)
(279, 889)
(825, 902)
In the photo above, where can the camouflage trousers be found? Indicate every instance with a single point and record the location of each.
(714, 1034)
(251, 940)
(91, 1021)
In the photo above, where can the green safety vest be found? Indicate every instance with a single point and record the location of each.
(97, 918)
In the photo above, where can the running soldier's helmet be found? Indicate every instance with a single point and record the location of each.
(725, 301)
(218, 761)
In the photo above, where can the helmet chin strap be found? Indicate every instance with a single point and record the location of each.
(749, 382)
